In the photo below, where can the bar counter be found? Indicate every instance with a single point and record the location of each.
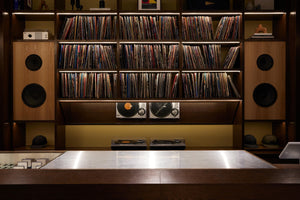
(154, 175)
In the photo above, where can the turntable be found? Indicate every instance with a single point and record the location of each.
(172, 144)
(165, 110)
(131, 110)
(139, 144)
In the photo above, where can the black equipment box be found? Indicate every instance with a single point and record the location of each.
(129, 144)
(172, 144)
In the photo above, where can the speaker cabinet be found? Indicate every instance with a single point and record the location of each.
(265, 80)
(33, 81)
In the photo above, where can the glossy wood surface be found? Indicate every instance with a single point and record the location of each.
(151, 184)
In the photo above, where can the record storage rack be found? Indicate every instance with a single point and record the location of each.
(218, 109)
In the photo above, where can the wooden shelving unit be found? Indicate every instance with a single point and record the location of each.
(101, 111)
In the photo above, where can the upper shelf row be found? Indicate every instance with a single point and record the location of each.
(163, 5)
(128, 26)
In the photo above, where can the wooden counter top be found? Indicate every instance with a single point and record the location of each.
(223, 184)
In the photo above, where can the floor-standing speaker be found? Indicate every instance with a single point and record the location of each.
(265, 80)
(33, 81)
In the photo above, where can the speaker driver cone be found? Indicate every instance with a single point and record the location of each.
(34, 95)
(265, 62)
(33, 62)
(265, 95)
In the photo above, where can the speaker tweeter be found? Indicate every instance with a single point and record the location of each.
(33, 62)
(265, 62)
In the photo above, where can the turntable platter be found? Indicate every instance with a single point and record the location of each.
(128, 109)
(161, 109)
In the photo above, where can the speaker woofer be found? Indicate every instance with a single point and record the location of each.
(265, 62)
(34, 95)
(33, 62)
(265, 95)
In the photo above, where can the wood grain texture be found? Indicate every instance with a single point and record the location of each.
(276, 76)
(274, 184)
(44, 77)
(190, 113)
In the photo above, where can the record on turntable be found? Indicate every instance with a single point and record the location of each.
(164, 110)
(131, 110)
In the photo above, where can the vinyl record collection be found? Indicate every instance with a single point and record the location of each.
(88, 85)
(197, 28)
(208, 85)
(149, 56)
(122, 55)
(228, 28)
(87, 57)
(201, 28)
(149, 85)
(89, 28)
(231, 57)
(208, 57)
(148, 27)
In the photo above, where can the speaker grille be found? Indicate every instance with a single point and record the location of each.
(265, 62)
(265, 95)
(33, 62)
(34, 95)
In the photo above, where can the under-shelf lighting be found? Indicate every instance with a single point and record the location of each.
(213, 42)
(153, 13)
(5, 13)
(213, 13)
(91, 13)
(153, 100)
(86, 71)
(214, 71)
(33, 13)
(265, 13)
(149, 71)
(293, 13)
(87, 42)
(154, 42)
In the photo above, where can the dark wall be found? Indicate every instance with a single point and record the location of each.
(298, 61)
(5, 97)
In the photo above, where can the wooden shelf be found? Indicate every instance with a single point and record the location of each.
(28, 148)
(77, 100)
(87, 12)
(113, 42)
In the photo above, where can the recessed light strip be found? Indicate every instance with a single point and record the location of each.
(149, 100)
(91, 13)
(85, 71)
(154, 13)
(214, 71)
(133, 42)
(33, 13)
(213, 13)
(5, 13)
(293, 13)
(213, 42)
(149, 71)
(87, 42)
(265, 13)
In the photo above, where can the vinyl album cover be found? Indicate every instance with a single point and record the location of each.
(149, 4)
